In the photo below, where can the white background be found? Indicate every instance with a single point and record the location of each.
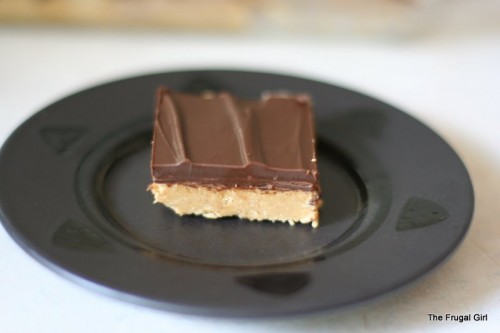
(450, 82)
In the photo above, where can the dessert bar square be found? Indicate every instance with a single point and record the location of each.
(216, 155)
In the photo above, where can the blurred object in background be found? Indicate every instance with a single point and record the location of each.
(182, 14)
(346, 18)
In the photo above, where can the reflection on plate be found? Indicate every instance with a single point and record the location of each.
(73, 194)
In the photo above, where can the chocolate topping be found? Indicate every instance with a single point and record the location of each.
(222, 141)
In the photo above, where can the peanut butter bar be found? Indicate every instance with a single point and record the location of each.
(216, 155)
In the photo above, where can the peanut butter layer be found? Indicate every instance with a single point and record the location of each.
(252, 204)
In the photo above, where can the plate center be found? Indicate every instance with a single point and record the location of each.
(229, 241)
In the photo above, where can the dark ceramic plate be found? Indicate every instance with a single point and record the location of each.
(73, 178)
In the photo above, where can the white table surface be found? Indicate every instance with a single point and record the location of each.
(449, 82)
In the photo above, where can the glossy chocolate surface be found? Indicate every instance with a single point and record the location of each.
(220, 140)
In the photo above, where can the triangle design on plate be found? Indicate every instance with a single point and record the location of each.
(282, 284)
(76, 236)
(419, 213)
(60, 139)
